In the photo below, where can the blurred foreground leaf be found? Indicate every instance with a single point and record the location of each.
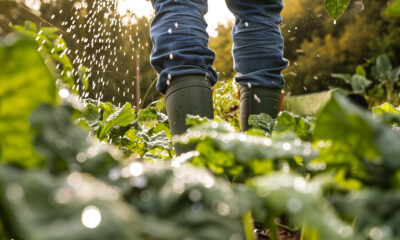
(303, 202)
(186, 203)
(38, 206)
(25, 82)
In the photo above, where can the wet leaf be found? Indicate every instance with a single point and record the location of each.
(40, 206)
(263, 122)
(183, 202)
(287, 121)
(303, 202)
(122, 117)
(336, 8)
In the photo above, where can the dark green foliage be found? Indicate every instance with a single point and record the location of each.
(147, 135)
(241, 156)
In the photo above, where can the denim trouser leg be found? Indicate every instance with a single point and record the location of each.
(258, 42)
(180, 41)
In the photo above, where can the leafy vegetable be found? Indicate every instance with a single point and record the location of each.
(37, 205)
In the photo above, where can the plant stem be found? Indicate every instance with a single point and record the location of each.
(272, 228)
(248, 226)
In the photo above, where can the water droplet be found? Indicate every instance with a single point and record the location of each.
(91, 217)
(258, 100)
(286, 146)
(81, 157)
(223, 209)
(376, 233)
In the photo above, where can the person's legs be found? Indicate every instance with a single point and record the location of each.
(258, 55)
(180, 41)
(183, 61)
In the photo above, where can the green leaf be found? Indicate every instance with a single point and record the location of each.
(185, 202)
(56, 207)
(395, 74)
(383, 65)
(30, 26)
(342, 121)
(263, 122)
(336, 8)
(122, 117)
(240, 156)
(370, 209)
(25, 82)
(385, 108)
(345, 77)
(246, 148)
(359, 83)
(361, 71)
(394, 9)
(365, 140)
(287, 121)
(302, 201)
(387, 113)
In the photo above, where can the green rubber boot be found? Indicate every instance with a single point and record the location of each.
(185, 95)
(256, 100)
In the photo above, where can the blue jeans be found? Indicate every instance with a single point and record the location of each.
(180, 42)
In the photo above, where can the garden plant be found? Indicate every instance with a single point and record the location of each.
(77, 168)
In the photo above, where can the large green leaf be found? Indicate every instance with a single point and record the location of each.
(240, 156)
(38, 206)
(359, 83)
(373, 212)
(122, 117)
(365, 141)
(385, 108)
(287, 121)
(336, 8)
(263, 122)
(66, 146)
(25, 82)
(303, 202)
(185, 203)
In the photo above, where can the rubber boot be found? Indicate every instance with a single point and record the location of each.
(256, 100)
(185, 95)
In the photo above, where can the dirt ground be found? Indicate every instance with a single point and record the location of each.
(283, 234)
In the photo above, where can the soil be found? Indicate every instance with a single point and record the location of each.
(283, 234)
